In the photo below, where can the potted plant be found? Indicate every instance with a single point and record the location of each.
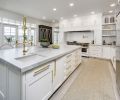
(44, 43)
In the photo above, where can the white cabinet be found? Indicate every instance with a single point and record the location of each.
(72, 62)
(106, 52)
(69, 62)
(95, 51)
(77, 57)
(3, 82)
(113, 57)
(39, 83)
(9, 82)
(59, 72)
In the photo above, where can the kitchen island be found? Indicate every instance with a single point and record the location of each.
(38, 74)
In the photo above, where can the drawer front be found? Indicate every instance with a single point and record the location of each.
(38, 72)
(39, 89)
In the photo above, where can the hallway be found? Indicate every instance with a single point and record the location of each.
(93, 82)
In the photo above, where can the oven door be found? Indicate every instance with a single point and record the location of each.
(84, 50)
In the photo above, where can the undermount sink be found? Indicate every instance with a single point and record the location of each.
(30, 58)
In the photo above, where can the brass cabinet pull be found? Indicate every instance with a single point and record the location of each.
(52, 76)
(41, 70)
(55, 69)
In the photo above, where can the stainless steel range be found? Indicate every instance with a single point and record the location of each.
(84, 46)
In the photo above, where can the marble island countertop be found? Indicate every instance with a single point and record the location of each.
(35, 57)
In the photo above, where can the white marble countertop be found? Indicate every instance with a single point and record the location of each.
(35, 57)
(103, 45)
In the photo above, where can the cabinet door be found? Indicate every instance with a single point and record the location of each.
(59, 72)
(106, 53)
(3, 82)
(39, 88)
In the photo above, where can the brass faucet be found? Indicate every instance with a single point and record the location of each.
(24, 35)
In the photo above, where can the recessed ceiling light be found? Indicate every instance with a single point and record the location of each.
(43, 17)
(75, 15)
(71, 4)
(54, 9)
(112, 5)
(92, 12)
(111, 11)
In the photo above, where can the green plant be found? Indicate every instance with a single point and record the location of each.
(9, 39)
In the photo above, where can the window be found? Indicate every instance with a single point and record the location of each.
(10, 34)
(11, 31)
(0, 19)
(33, 36)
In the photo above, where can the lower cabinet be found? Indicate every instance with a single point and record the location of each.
(10, 83)
(95, 51)
(106, 52)
(59, 73)
(39, 83)
(113, 57)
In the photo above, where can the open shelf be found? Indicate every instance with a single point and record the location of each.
(108, 35)
(108, 30)
(109, 24)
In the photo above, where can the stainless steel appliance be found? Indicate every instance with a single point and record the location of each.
(84, 46)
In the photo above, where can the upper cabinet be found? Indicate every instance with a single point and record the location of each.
(79, 23)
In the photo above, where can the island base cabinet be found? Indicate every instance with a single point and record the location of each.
(39, 83)
(40, 89)
(59, 73)
(9, 83)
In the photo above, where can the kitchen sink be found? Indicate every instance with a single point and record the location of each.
(30, 58)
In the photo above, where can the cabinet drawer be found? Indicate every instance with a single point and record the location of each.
(38, 72)
(68, 57)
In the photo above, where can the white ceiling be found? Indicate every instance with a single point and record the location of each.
(40, 8)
